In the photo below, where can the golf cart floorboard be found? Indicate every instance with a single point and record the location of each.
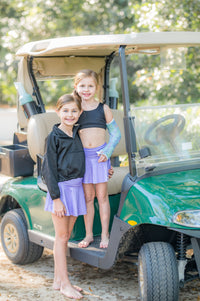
(92, 248)
(89, 255)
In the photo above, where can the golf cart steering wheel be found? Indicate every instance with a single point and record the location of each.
(167, 132)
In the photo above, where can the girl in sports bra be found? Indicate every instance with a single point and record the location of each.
(93, 121)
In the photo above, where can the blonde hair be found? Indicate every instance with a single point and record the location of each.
(83, 74)
(67, 98)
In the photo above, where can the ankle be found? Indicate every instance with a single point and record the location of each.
(65, 284)
(89, 236)
(105, 236)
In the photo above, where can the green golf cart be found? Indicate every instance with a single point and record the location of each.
(154, 192)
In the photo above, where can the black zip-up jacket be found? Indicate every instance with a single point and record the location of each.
(64, 159)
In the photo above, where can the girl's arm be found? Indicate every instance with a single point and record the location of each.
(114, 135)
(49, 168)
(108, 113)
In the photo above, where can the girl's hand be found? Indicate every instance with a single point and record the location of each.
(59, 208)
(102, 158)
(110, 172)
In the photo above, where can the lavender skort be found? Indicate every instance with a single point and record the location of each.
(72, 196)
(95, 172)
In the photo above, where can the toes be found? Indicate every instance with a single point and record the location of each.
(85, 242)
(104, 243)
(71, 293)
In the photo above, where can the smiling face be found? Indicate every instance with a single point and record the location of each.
(69, 114)
(86, 88)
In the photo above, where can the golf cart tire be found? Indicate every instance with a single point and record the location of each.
(35, 251)
(15, 240)
(158, 272)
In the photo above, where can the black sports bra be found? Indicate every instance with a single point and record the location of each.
(93, 119)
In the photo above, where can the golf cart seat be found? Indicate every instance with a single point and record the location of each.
(39, 127)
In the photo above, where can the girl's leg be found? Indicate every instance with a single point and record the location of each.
(89, 192)
(104, 209)
(63, 227)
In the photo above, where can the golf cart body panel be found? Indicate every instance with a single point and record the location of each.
(145, 203)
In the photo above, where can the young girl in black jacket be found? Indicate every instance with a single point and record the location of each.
(63, 169)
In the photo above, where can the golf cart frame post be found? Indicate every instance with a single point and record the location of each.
(128, 120)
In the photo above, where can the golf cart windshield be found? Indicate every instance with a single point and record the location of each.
(167, 137)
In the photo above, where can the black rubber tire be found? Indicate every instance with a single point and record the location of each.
(158, 272)
(26, 251)
(34, 251)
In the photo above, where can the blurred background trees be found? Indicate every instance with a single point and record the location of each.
(23, 21)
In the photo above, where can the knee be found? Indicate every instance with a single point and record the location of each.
(63, 238)
(102, 197)
(89, 198)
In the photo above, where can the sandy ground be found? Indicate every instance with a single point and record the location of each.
(34, 282)
(7, 128)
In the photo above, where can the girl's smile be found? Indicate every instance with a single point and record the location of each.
(69, 115)
(86, 88)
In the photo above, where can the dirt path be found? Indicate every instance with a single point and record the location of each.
(34, 282)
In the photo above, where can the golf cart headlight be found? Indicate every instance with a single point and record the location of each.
(188, 218)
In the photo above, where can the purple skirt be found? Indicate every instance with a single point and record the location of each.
(95, 172)
(72, 196)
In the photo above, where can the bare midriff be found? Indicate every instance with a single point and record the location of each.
(92, 137)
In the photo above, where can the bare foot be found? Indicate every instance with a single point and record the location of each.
(56, 286)
(70, 292)
(85, 242)
(104, 242)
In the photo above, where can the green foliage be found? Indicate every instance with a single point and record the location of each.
(160, 86)
(23, 21)
(52, 90)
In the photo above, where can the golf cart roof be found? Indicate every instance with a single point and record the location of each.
(103, 45)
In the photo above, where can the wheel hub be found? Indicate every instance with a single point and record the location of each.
(11, 238)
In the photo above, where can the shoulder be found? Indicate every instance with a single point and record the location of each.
(51, 136)
(108, 113)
